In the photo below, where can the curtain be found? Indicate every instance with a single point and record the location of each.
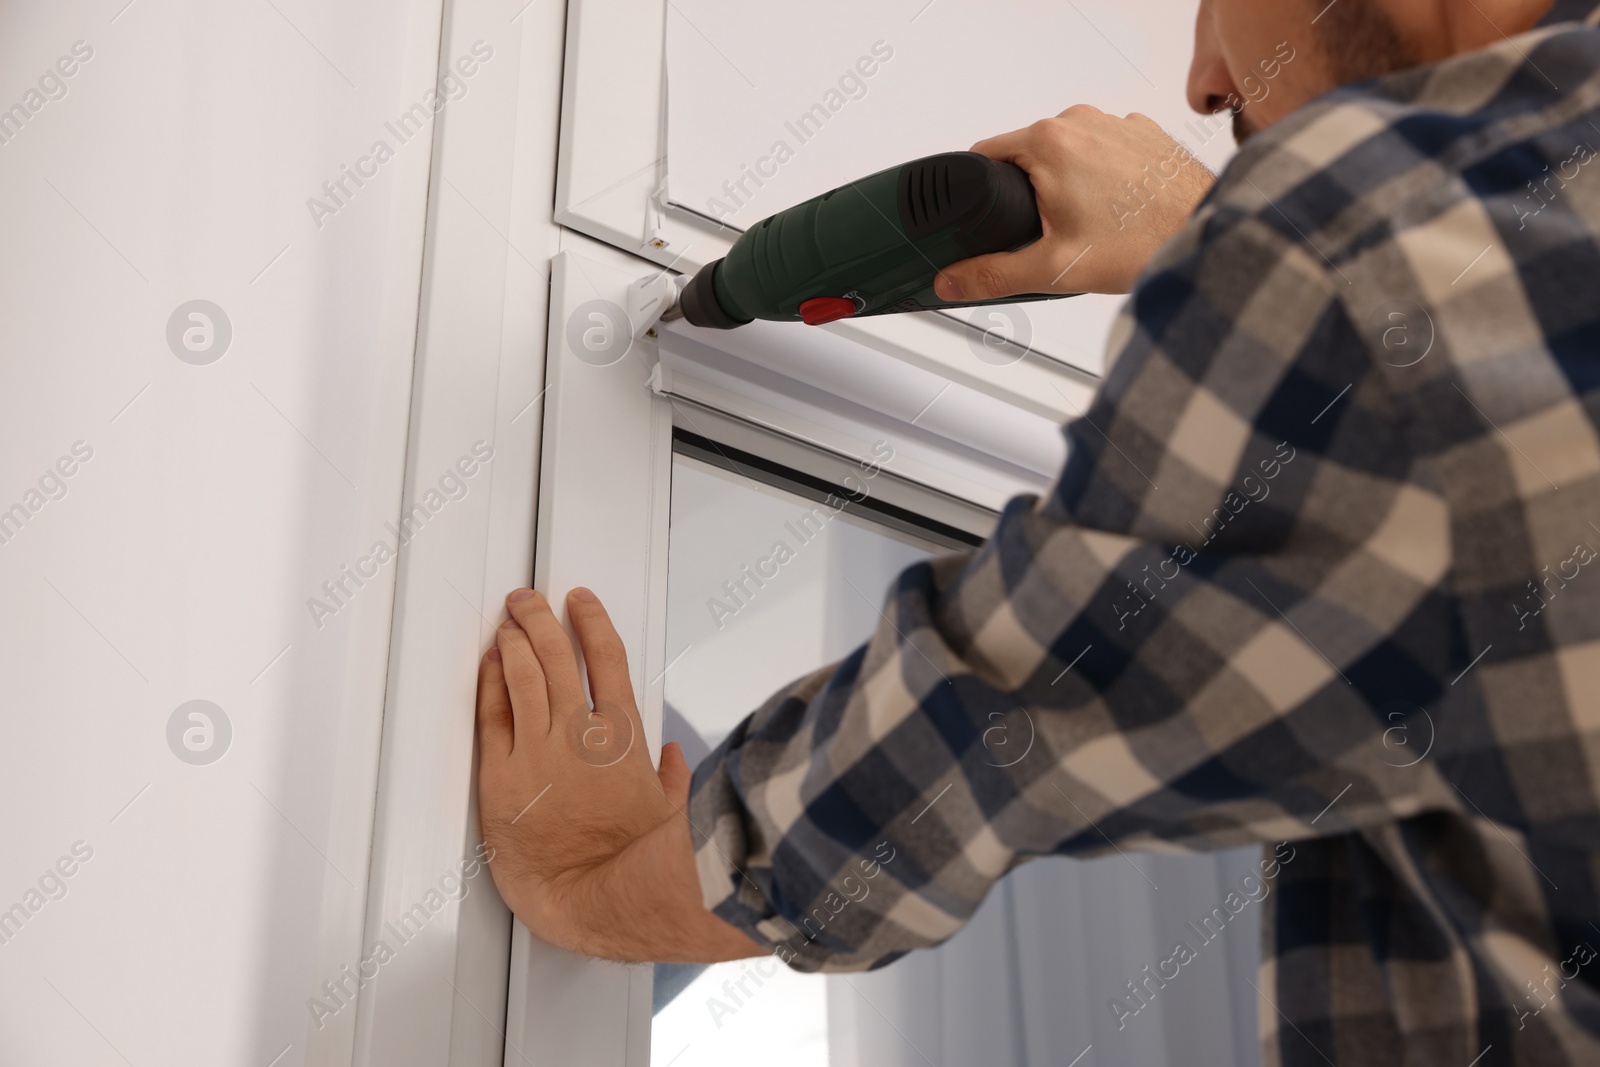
(1030, 980)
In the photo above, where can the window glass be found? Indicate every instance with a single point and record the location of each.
(763, 586)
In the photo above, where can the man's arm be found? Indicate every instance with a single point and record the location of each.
(594, 853)
(1221, 619)
(1198, 663)
(1223, 616)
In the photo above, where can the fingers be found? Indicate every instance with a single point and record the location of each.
(1042, 267)
(1042, 140)
(524, 678)
(603, 651)
(495, 730)
(1013, 147)
(553, 648)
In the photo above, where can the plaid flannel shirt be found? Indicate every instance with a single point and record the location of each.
(1360, 614)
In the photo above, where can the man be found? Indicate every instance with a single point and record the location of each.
(1358, 614)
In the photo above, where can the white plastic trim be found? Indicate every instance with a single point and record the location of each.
(479, 373)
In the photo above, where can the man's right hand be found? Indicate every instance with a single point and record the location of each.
(1110, 191)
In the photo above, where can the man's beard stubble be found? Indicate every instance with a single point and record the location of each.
(1355, 40)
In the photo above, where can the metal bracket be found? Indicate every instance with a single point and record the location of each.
(657, 238)
(648, 298)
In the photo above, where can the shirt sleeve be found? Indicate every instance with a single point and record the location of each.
(1223, 617)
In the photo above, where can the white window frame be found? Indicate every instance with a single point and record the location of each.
(604, 496)
(580, 449)
(478, 374)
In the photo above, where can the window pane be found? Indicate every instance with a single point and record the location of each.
(763, 586)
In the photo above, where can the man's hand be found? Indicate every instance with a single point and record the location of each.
(1110, 192)
(591, 845)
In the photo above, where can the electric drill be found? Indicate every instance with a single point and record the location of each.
(872, 247)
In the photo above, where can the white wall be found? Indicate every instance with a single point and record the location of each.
(219, 497)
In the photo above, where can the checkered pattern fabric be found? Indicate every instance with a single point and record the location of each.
(1322, 569)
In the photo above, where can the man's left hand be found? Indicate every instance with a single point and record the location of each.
(591, 844)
